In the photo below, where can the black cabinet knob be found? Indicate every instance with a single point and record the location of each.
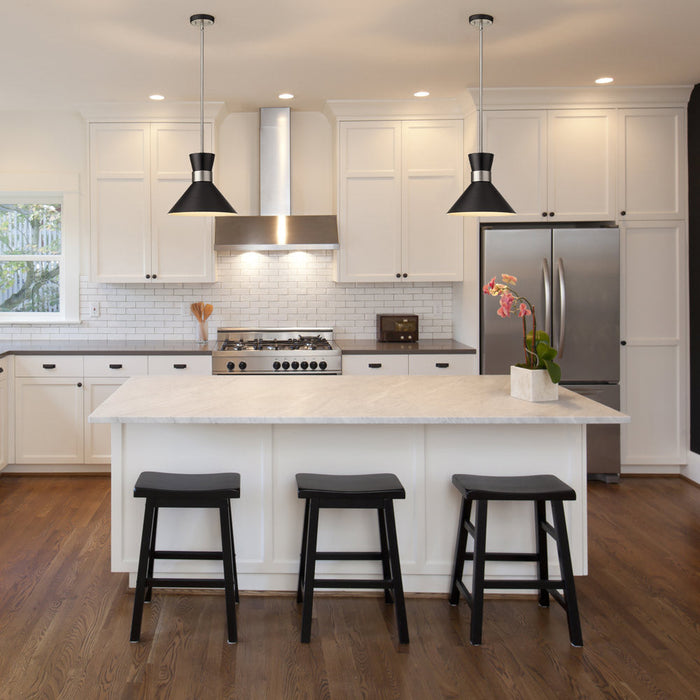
(398, 274)
(623, 212)
(544, 213)
(2, 370)
(551, 213)
(154, 276)
(623, 342)
(148, 277)
(80, 384)
(405, 274)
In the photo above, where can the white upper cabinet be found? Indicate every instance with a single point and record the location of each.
(652, 164)
(554, 165)
(137, 172)
(397, 181)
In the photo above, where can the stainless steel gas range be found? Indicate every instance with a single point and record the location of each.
(276, 351)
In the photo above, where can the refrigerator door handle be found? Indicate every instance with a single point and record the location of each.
(562, 306)
(547, 297)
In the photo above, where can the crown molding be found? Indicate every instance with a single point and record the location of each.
(139, 111)
(418, 108)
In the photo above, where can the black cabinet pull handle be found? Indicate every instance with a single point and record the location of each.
(49, 366)
(116, 366)
(80, 384)
(442, 365)
(179, 366)
(374, 365)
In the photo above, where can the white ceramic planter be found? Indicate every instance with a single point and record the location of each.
(532, 384)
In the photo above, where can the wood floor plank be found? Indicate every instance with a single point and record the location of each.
(65, 618)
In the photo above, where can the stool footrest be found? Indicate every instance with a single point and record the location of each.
(349, 556)
(186, 582)
(548, 584)
(172, 554)
(351, 583)
(504, 556)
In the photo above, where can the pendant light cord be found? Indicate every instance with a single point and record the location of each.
(481, 85)
(201, 86)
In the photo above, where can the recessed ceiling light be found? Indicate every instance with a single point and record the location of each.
(285, 96)
(156, 97)
(421, 93)
(604, 81)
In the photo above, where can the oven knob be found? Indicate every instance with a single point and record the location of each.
(313, 364)
(305, 365)
(230, 366)
(276, 365)
(295, 365)
(285, 365)
(322, 365)
(242, 365)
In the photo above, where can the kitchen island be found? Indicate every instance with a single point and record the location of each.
(268, 428)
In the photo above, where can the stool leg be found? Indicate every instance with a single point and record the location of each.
(309, 570)
(542, 563)
(567, 574)
(478, 573)
(228, 556)
(151, 558)
(139, 594)
(396, 571)
(233, 549)
(302, 554)
(460, 549)
(384, 546)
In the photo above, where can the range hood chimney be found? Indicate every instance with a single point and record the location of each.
(275, 228)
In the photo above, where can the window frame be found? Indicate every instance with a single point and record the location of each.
(25, 188)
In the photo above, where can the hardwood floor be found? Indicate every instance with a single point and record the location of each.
(64, 618)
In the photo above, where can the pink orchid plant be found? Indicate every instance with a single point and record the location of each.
(539, 354)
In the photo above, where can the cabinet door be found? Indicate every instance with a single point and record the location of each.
(98, 436)
(517, 138)
(4, 412)
(119, 202)
(375, 364)
(580, 162)
(654, 364)
(370, 201)
(432, 156)
(182, 247)
(49, 420)
(652, 164)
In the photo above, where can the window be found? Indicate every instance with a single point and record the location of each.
(38, 252)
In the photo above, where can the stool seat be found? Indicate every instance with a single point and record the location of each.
(513, 488)
(351, 485)
(226, 485)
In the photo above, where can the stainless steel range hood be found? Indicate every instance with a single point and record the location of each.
(275, 228)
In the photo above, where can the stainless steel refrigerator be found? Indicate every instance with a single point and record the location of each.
(572, 276)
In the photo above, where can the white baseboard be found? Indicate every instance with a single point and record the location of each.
(56, 469)
(692, 469)
(651, 469)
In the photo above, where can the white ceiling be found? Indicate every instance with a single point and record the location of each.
(59, 54)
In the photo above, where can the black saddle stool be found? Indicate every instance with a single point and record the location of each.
(164, 490)
(355, 491)
(540, 489)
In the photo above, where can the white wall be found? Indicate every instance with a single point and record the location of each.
(255, 289)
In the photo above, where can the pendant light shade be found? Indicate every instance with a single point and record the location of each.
(202, 198)
(481, 198)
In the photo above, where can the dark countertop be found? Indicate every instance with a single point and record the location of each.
(106, 347)
(421, 347)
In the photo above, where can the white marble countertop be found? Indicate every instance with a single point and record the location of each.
(340, 399)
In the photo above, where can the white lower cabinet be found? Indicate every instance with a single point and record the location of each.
(4, 414)
(434, 364)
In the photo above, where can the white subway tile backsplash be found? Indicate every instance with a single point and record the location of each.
(253, 289)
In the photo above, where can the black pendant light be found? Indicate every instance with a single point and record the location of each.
(481, 198)
(202, 198)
